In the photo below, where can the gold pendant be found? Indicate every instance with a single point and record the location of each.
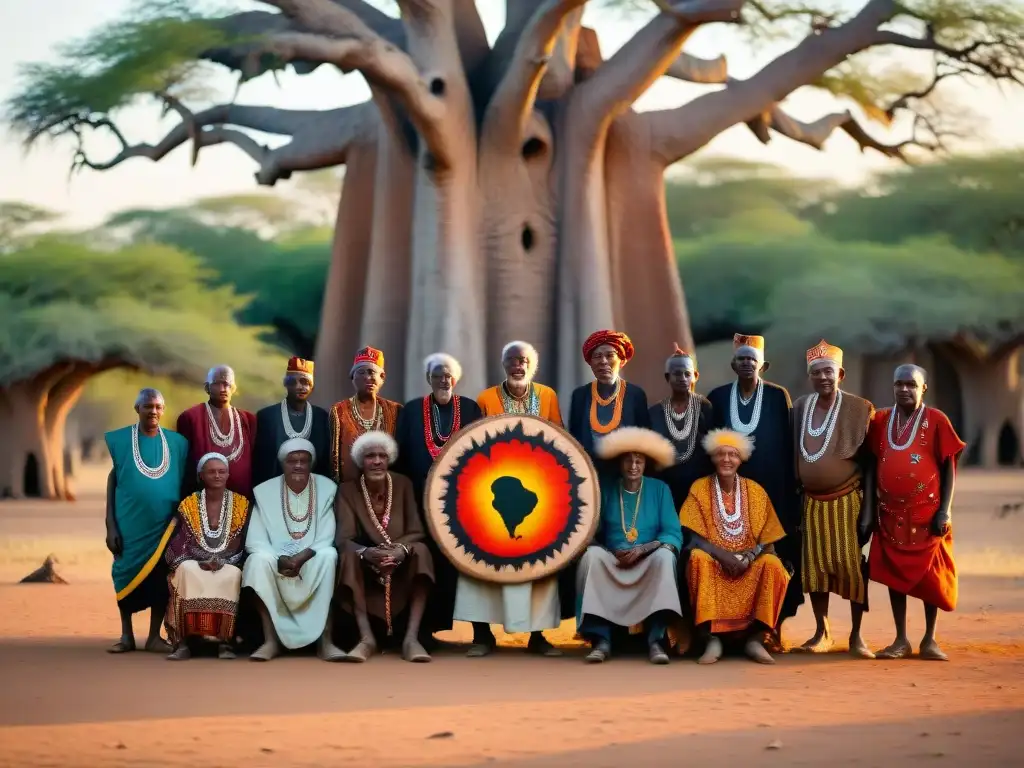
(632, 534)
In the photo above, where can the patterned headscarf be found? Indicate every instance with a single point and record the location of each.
(615, 339)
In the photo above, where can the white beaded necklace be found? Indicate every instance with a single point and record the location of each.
(687, 435)
(226, 441)
(374, 422)
(221, 534)
(733, 523)
(734, 408)
(289, 430)
(286, 509)
(828, 426)
(913, 432)
(153, 473)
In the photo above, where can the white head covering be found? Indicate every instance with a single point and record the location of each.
(374, 439)
(212, 456)
(294, 445)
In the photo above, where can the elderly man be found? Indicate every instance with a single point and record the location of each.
(216, 426)
(364, 412)
(836, 472)
(529, 607)
(684, 417)
(608, 402)
(142, 494)
(761, 410)
(912, 550)
(293, 417)
(425, 426)
(627, 577)
(292, 562)
(386, 567)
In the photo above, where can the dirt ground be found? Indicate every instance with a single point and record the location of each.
(64, 702)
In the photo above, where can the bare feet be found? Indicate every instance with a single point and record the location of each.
(224, 651)
(328, 651)
(158, 645)
(756, 651)
(539, 645)
(900, 649)
(181, 653)
(656, 654)
(930, 650)
(774, 642)
(822, 642)
(859, 649)
(266, 652)
(362, 652)
(599, 653)
(124, 645)
(712, 653)
(414, 652)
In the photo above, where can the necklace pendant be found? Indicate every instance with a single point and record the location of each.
(632, 535)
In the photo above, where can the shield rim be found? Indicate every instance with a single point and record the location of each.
(508, 574)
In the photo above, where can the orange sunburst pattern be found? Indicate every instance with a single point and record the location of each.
(515, 500)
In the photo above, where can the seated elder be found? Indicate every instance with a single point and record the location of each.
(203, 557)
(292, 561)
(736, 581)
(628, 575)
(386, 568)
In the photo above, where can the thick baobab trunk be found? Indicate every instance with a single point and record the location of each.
(991, 397)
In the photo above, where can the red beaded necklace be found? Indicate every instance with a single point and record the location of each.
(428, 426)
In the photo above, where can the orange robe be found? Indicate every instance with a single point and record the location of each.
(490, 402)
(732, 604)
(905, 555)
(345, 430)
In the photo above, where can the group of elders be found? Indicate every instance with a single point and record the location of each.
(717, 514)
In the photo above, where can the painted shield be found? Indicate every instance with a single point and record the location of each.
(512, 498)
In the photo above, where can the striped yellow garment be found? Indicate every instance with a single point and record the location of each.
(831, 557)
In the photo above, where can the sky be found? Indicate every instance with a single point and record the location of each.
(33, 32)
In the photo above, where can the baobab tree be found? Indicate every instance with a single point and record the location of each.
(509, 191)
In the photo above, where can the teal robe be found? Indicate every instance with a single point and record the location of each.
(656, 521)
(143, 506)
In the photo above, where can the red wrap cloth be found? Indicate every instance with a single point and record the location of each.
(620, 342)
(905, 555)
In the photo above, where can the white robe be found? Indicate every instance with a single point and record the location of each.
(528, 607)
(298, 607)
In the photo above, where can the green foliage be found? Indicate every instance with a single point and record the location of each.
(18, 220)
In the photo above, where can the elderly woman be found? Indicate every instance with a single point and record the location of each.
(628, 575)
(292, 561)
(386, 568)
(737, 583)
(203, 558)
(425, 425)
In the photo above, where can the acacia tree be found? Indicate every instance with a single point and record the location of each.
(507, 191)
(68, 314)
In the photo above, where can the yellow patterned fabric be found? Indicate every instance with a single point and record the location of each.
(732, 604)
(831, 555)
(189, 512)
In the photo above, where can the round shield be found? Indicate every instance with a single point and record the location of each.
(512, 498)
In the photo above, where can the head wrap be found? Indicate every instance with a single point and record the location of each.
(299, 367)
(727, 438)
(823, 352)
(677, 353)
(294, 445)
(374, 439)
(368, 356)
(529, 351)
(748, 346)
(616, 340)
(439, 359)
(637, 440)
(213, 456)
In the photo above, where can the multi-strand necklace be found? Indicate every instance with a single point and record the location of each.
(895, 434)
(528, 403)
(227, 441)
(374, 422)
(732, 523)
(307, 425)
(745, 428)
(153, 473)
(682, 428)
(618, 397)
(828, 426)
(432, 424)
(306, 520)
(381, 524)
(630, 532)
(221, 535)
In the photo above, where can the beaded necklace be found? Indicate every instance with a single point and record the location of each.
(226, 441)
(289, 430)
(687, 435)
(828, 426)
(631, 532)
(618, 396)
(914, 419)
(286, 509)
(381, 524)
(528, 403)
(435, 441)
(734, 408)
(374, 422)
(732, 524)
(221, 535)
(153, 473)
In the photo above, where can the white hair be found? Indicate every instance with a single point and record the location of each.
(213, 456)
(146, 394)
(528, 350)
(295, 445)
(374, 439)
(211, 375)
(442, 360)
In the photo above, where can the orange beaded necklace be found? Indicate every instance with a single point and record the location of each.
(619, 397)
